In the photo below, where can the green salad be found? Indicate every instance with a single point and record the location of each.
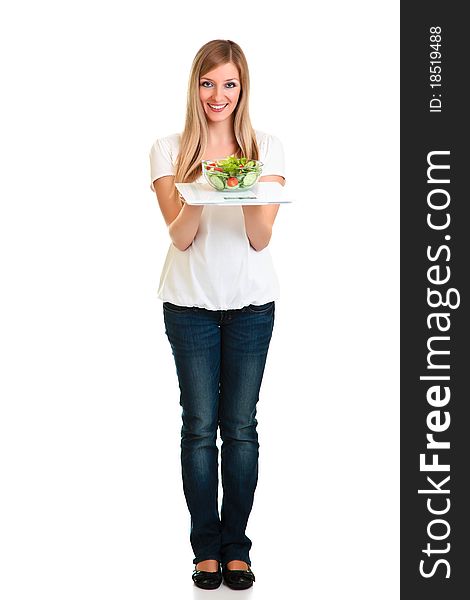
(231, 173)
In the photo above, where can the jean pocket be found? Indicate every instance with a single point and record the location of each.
(176, 308)
(261, 308)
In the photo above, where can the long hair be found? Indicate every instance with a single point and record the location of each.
(194, 138)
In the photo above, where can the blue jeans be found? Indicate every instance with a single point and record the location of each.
(220, 358)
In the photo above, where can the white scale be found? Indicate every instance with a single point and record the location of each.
(264, 192)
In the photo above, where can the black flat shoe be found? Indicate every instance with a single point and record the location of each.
(238, 579)
(207, 580)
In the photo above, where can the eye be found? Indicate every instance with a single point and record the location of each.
(232, 84)
(203, 82)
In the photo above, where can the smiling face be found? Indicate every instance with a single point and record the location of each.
(219, 91)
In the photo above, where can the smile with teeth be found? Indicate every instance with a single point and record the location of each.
(217, 107)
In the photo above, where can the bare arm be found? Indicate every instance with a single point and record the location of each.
(182, 220)
(259, 220)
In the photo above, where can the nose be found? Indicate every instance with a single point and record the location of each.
(219, 96)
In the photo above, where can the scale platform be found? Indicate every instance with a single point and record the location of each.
(264, 192)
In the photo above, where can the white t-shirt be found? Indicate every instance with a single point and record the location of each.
(220, 270)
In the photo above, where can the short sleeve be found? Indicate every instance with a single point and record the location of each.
(274, 157)
(161, 162)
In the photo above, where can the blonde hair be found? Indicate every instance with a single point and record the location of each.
(194, 138)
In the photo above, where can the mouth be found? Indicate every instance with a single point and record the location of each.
(217, 107)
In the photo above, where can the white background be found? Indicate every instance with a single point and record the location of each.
(92, 503)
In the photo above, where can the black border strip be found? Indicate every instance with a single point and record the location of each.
(435, 354)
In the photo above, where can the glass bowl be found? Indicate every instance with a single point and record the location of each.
(232, 174)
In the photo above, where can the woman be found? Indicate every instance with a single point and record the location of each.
(218, 287)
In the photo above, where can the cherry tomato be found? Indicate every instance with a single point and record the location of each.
(232, 182)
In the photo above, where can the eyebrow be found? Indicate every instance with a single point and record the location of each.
(231, 79)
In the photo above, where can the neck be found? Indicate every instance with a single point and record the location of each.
(221, 133)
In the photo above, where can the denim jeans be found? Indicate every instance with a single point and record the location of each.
(220, 358)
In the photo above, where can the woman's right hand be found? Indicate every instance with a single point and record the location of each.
(182, 219)
(184, 228)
